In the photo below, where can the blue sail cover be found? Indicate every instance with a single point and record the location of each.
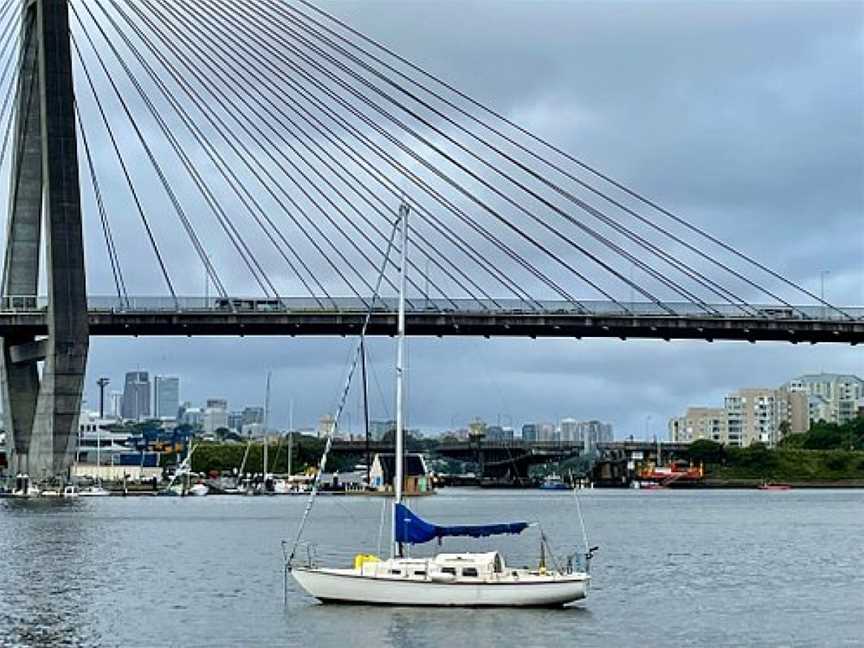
(412, 529)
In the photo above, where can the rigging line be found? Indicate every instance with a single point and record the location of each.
(740, 303)
(324, 212)
(353, 186)
(103, 216)
(231, 232)
(404, 171)
(12, 96)
(178, 208)
(150, 236)
(238, 187)
(675, 263)
(344, 397)
(169, 44)
(498, 192)
(584, 165)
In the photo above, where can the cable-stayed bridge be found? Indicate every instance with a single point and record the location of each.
(263, 148)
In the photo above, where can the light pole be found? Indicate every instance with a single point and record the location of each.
(822, 275)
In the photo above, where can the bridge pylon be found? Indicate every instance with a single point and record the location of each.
(41, 408)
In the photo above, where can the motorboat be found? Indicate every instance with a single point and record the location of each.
(199, 490)
(70, 492)
(94, 491)
(554, 482)
(445, 579)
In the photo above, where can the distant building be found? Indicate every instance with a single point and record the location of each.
(498, 433)
(764, 415)
(593, 432)
(252, 430)
(136, 396)
(477, 428)
(192, 416)
(833, 398)
(529, 432)
(699, 423)
(752, 415)
(115, 404)
(213, 419)
(235, 421)
(166, 403)
(547, 432)
(217, 403)
(325, 426)
(570, 431)
(252, 415)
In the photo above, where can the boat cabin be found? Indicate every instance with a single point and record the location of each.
(443, 568)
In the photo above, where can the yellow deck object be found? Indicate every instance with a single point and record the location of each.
(361, 559)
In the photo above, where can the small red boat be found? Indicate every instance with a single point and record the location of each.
(774, 487)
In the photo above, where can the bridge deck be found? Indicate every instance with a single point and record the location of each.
(268, 317)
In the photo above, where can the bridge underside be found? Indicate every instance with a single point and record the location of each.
(328, 323)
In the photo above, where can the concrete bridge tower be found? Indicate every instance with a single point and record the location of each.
(41, 408)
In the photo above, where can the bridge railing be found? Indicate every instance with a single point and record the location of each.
(155, 304)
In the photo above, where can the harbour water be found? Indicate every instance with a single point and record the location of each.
(675, 568)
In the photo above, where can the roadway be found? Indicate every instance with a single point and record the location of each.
(256, 317)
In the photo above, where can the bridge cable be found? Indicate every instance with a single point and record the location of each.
(704, 281)
(231, 232)
(235, 182)
(258, 214)
(380, 208)
(319, 105)
(247, 155)
(145, 221)
(113, 257)
(359, 183)
(178, 208)
(546, 144)
(268, 146)
(212, 87)
(416, 135)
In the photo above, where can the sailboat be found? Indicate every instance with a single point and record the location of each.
(446, 579)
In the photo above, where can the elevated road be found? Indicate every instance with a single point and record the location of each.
(344, 317)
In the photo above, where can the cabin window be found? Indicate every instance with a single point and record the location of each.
(420, 572)
(396, 572)
(470, 571)
(448, 570)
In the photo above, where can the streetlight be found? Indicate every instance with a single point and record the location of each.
(822, 275)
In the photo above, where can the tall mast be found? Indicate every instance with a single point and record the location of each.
(266, 423)
(400, 359)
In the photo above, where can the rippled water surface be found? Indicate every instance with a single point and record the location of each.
(675, 568)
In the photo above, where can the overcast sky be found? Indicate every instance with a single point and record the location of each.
(744, 117)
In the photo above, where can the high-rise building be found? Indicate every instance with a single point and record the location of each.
(569, 430)
(833, 398)
(699, 423)
(136, 396)
(253, 415)
(529, 432)
(499, 433)
(217, 403)
(166, 402)
(214, 418)
(593, 432)
(115, 408)
(764, 415)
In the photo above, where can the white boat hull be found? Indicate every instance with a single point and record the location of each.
(343, 586)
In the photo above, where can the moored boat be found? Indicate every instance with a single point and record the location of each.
(446, 579)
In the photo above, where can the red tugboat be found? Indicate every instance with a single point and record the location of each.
(665, 476)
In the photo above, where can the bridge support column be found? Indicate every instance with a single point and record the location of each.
(42, 411)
